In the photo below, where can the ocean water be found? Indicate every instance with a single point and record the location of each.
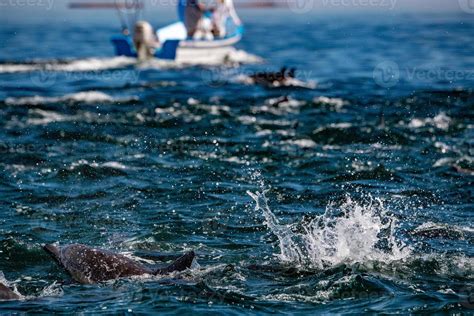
(350, 192)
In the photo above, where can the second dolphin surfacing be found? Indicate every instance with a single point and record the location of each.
(7, 294)
(91, 265)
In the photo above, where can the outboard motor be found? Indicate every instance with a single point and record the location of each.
(144, 40)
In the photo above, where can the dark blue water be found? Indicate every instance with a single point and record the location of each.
(367, 172)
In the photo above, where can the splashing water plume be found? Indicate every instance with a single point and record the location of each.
(352, 233)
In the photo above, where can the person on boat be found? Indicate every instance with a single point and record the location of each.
(193, 14)
(145, 40)
(224, 10)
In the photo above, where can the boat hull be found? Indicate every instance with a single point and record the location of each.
(183, 50)
(202, 55)
(205, 52)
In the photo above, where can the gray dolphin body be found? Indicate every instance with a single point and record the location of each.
(7, 294)
(91, 265)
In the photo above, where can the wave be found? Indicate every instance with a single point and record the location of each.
(440, 121)
(287, 83)
(88, 97)
(337, 103)
(437, 230)
(101, 64)
(235, 57)
(78, 65)
(301, 143)
(279, 106)
(93, 170)
(348, 133)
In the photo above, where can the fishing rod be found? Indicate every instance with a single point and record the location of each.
(123, 23)
(128, 11)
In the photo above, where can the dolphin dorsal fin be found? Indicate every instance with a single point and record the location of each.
(53, 250)
(182, 263)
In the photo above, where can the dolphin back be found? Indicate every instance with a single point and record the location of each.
(182, 263)
(7, 294)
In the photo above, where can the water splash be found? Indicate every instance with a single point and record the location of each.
(354, 232)
(10, 285)
(52, 290)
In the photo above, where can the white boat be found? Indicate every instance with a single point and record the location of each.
(177, 46)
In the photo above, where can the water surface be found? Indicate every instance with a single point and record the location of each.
(352, 196)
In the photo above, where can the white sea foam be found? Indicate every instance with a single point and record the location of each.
(109, 164)
(440, 121)
(242, 57)
(336, 102)
(455, 228)
(342, 125)
(100, 64)
(302, 143)
(454, 161)
(54, 289)
(79, 65)
(288, 82)
(348, 234)
(279, 106)
(177, 111)
(43, 117)
(114, 165)
(88, 97)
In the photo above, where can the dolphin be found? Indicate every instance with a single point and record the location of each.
(7, 294)
(88, 265)
(276, 78)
